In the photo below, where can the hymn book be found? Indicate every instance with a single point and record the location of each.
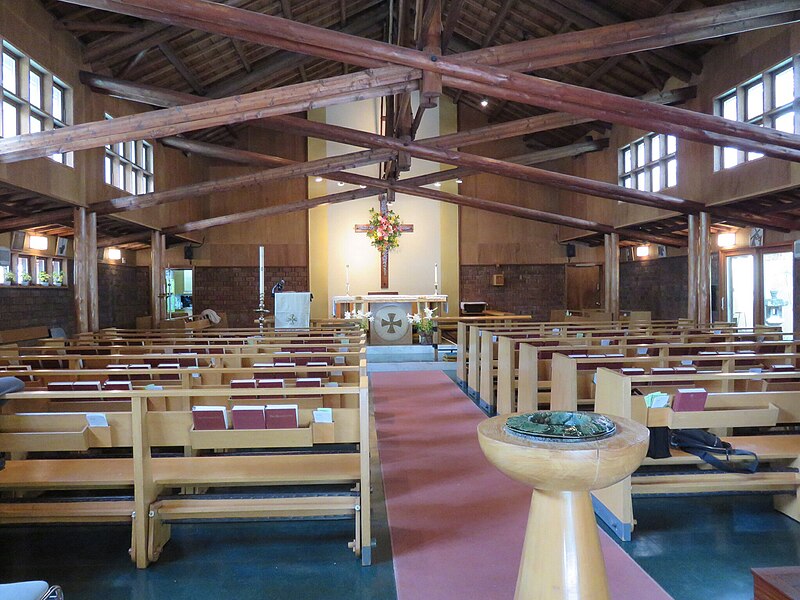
(207, 418)
(280, 416)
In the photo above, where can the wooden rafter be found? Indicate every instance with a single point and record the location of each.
(479, 79)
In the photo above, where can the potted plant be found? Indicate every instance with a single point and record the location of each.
(425, 325)
(44, 278)
(58, 279)
(9, 278)
(26, 279)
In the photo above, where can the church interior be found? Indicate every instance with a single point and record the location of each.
(506, 290)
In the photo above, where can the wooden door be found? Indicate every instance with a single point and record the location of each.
(584, 287)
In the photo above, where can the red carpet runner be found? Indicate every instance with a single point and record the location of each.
(456, 522)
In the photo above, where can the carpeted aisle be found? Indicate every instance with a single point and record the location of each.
(456, 522)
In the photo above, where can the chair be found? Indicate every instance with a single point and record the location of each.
(30, 590)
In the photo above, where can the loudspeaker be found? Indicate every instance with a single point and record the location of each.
(570, 250)
(188, 252)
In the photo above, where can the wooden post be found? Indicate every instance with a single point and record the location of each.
(691, 305)
(611, 273)
(80, 268)
(92, 285)
(156, 277)
(704, 270)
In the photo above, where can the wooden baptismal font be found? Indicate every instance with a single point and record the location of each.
(563, 455)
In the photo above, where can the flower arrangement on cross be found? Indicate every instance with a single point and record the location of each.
(384, 230)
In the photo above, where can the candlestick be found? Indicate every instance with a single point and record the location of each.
(435, 278)
(261, 270)
(347, 279)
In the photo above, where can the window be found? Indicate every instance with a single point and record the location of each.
(23, 268)
(649, 164)
(129, 166)
(767, 100)
(34, 99)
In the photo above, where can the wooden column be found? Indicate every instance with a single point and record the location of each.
(704, 270)
(611, 272)
(157, 247)
(92, 294)
(691, 285)
(80, 271)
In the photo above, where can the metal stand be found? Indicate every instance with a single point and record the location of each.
(262, 312)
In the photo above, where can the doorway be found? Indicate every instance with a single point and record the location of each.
(759, 287)
(178, 288)
(584, 287)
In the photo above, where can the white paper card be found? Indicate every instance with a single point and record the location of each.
(96, 420)
(641, 351)
(323, 415)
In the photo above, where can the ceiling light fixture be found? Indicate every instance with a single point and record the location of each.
(642, 251)
(484, 103)
(318, 179)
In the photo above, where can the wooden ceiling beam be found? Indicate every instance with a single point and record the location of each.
(111, 44)
(638, 36)
(499, 19)
(525, 173)
(491, 81)
(238, 47)
(211, 113)
(165, 98)
(181, 68)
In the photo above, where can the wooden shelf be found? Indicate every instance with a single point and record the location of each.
(701, 419)
(251, 438)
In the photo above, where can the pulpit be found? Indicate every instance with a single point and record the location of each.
(389, 326)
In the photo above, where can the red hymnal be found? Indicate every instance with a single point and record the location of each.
(269, 383)
(207, 418)
(308, 382)
(281, 416)
(632, 371)
(690, 399)
(248, 417)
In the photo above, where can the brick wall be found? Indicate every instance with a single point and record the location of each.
(234, 290)
(528, 289)
(124, 294)
(34, 306)
(658, 285)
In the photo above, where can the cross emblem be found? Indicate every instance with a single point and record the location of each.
(391, 323)
(384, 255)
(292, 319)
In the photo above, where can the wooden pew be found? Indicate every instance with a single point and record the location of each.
(727, 410)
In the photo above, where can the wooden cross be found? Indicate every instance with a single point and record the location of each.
(385, 254)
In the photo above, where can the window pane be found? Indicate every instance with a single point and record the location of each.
(36, 124)
(58, 103)
(785, 122)
(9, 73)
(59, 158)
(783, 84)
(641, 181)
(120, 177)
(730, 157)
(132, 182)
(655, 147)
(755, 100)
(729, 108)
(107, 170)
(35, 88)
(754, 155)
(640, 160)
(672, 144)
(10, 119)
(655, 178)
(672, 173)
(627, 167)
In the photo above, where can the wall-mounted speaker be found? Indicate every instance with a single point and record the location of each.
(570, 250)
(188, 252)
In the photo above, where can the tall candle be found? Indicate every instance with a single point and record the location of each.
(261, 271)
(436, 274)
(347, 274)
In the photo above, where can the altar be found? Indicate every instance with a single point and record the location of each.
(390, 325)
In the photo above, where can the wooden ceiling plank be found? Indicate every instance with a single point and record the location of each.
(94, 26)
(453, 14)
(111, 44)
(238, 46)
(499, 19)
(484, 80)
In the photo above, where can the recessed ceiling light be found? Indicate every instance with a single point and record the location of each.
(459, 180)
(318, 179)
(484, 103)
(437, 184)
(340, 183)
